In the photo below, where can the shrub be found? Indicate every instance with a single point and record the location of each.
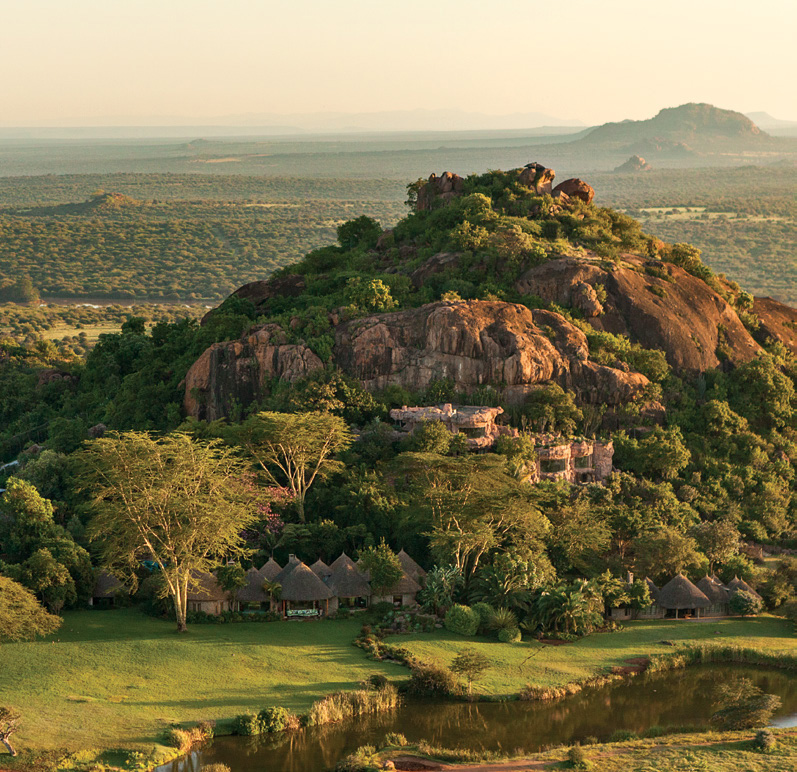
(576, 758)
(377, 681)
(745, 604)
(362, 760)
(395, 739)
(509, 635)
(764, 740)
(431, 680)
(504, 619)
(275, 719)
(486, 613)
(246, 724)
(462, 620)
(215, 768)
(623, 736)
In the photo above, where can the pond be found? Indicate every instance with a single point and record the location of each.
(674, 698)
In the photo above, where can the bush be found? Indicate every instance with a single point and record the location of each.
(275, 719)
(377, 681)
(504, 619)
(431, 680)
(462, 620)
(764, 740)
(577, 758)
(395, 740)
(215, 768)
(486, 613)
(623, 736)
(509, 635)
(745, 604)
(246, 724)
(362, 760)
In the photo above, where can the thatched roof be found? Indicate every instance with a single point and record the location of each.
(737, 584)
(713, 589)
(252, 591)
(680, 593)
(270, 569)
(652, 589)
(301, 584)
(404, 586)
(292, 563)
(342, 559)
(206, 587)
(347, 582)
(411, 568)
(321, 569)
(107, 586)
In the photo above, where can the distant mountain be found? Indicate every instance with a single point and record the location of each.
(680, 130)
(766, 121)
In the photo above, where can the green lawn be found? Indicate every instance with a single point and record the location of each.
(516, 664)
(117, 677)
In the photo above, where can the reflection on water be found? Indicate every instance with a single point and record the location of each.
(676, 698)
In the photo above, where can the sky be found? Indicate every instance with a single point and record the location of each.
(139, 62)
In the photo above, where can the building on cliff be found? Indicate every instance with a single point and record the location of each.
(581, 461)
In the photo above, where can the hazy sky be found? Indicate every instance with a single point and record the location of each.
(135, 61)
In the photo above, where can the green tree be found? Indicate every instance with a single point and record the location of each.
(718, 541)
(439, 588)
(660, 455)
(26, 518)
(552, 409)
(369, 295)
(231, 578)
(745, 604)
(294, 449)
(51, 582)
(472, 665)
(180, 503)
(665, 552)
(383, 566)
(742, 705)
(360, 232)
(22, 617)
(431, 437)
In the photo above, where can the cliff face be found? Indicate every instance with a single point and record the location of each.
(474, 343)
(656, 304)
(778, 321)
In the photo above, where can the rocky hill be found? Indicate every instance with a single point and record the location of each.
(505, 279)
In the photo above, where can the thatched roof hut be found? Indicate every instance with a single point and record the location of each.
(736, 584)
(404, 586)
(107, 586)
(321, 569)
(680, 593)
(342, 559)
(301, 584)
(270, 569)
(411, 568)
(205, 587)
(653, 590)
(252, 591)
(292, 563)
(346, 581)
(713, 589)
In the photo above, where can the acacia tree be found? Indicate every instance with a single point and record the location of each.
(301, 447)
(470, 664)
(21, 615)
(177, 502)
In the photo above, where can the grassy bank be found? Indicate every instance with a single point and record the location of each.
(117, 678)
(513, 666)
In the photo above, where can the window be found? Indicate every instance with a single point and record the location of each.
(553, 465)
(473, 432)
(583, 462)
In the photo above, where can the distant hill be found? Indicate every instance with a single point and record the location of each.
(766, 121)
(680, 130)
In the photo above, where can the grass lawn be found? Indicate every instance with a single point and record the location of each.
(516, 664)
(117, 677)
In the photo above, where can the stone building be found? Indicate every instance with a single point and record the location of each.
(477, 424)
(577, 462)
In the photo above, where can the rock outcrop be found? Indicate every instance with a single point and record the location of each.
(537, 177)
(234, 372)
(472, 342)
(575, 188)
(657, 304)
(442, 188)
(778, 321)
(636, 163)
(477, 343)
(260, 292)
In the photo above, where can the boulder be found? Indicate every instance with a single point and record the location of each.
(438, 263)
(681, 315)
(235, 372)
(778, 321)
(575, 188)
(537, 177)
(476, 343)
(443, 188)
(260, 292)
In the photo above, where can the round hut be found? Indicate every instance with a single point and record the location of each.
(205, 594)
(304, 594)
(270, 569)
(293, 561)
(411, 568)
(402, 593)
(350, 586)
(653, 611)
(252, 596)
(106, 588)
(321, 569)
(343, 558)
(718, 596)
(681, 599)
(736, 584)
